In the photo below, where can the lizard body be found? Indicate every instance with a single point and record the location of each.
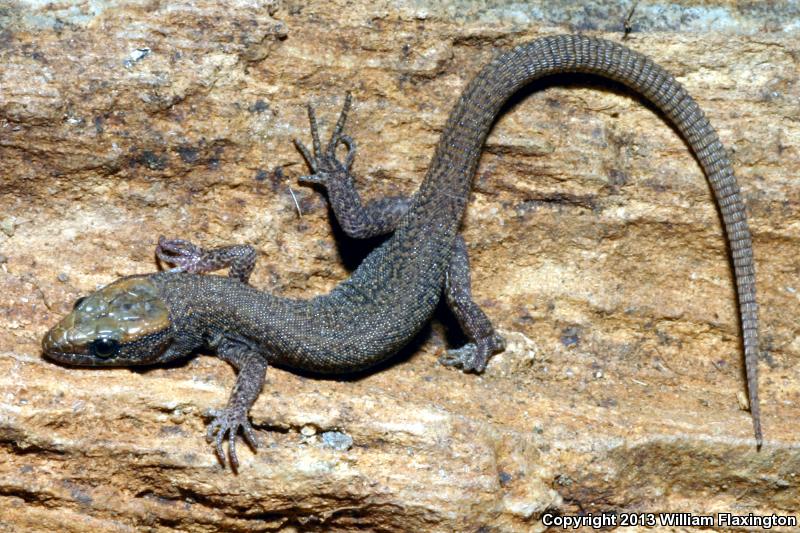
(392, 294)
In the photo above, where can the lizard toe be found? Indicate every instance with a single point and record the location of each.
(474, 356)
(186, 255)
(319, 178)
(465, 358)
(227, 423)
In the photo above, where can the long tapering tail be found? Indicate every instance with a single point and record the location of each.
(442, 196)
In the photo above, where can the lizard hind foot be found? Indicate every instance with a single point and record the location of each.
(474, 356)
(228, 422)
(323, 162)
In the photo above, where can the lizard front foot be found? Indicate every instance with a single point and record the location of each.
(185, 255)
(473, 356)
(188, 257)
(323, 163)
(228, 422)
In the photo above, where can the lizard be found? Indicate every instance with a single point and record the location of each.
(158, 317)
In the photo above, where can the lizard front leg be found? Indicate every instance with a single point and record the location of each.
(382, 216)
(252, 368)
(240, 259)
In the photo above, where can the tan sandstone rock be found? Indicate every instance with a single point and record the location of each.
(595, 244)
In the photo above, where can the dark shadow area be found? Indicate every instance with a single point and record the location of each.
(352, 252)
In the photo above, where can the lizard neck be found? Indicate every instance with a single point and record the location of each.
(203, 306)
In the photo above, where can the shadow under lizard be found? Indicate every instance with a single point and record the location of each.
(154, 318)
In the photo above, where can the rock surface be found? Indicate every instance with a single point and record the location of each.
(595, 244)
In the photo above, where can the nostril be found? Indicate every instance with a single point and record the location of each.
(54, 341)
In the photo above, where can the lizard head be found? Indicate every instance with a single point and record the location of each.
(124, 323)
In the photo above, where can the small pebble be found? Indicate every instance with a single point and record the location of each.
(337, 440)
(7, 226)
(744, 403)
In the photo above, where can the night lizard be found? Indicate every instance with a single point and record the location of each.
(154, 318)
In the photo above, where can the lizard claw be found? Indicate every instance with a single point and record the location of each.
(318, 179)
(473, 356)
(228, 422)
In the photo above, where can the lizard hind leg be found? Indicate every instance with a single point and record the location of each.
(359, 220)
(483, 340)
(240, 259)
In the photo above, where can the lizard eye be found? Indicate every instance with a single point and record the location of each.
(104, 348)
(78, 302)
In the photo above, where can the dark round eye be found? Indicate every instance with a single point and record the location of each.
(78, 302)
(104, 348)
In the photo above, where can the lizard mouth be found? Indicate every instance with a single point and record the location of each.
(72, 359)
(57, 347)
